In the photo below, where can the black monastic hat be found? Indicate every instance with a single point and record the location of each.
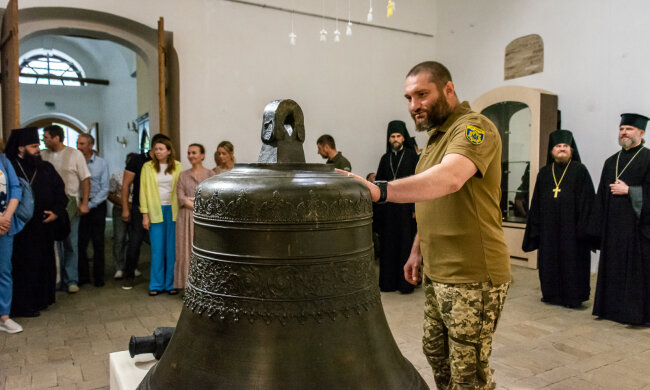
(637, 120)
(397, 126)
(20, 137)
(562, 137)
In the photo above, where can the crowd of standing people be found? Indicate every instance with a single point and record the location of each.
(68, 189)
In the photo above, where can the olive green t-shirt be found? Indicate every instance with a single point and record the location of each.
(461, 237)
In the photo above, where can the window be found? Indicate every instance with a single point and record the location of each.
(50, 67)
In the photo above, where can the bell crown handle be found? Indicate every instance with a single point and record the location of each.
(283, 133)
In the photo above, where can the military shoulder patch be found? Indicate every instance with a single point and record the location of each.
(474, 135)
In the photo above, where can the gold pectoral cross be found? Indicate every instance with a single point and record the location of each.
(556, 190)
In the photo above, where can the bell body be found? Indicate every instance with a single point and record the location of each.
(283, 289)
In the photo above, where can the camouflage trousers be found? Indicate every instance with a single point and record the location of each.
(459, 321)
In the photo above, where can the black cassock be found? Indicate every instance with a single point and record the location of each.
(394, 223)
(33, 262)
(623, 287)
(558, 228)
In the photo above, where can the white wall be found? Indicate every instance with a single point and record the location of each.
(235, 58)
(596, 59)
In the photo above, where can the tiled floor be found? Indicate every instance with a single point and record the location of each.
(537, 346)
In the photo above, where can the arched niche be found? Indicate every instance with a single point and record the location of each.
(143, 40)
(525, 117)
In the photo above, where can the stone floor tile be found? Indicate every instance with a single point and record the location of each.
(18, 381)
(69, 374)
(44, 379)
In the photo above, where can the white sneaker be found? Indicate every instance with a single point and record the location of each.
(10, 326)
(119, 274)
(73, 288)
(137, 273)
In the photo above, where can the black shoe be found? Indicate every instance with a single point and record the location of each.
(99, 284)
(173, 291)
(153, 293)
(128, 283)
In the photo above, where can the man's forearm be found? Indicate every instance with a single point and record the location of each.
(126, 184)
(442, 179)
(85, 191)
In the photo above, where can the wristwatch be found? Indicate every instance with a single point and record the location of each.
(383, 190)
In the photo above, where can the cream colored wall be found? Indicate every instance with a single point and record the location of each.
(235, 58)
(595, 59)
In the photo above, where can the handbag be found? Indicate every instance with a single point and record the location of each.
(25, 209)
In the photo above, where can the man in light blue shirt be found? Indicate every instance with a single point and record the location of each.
(92, 225)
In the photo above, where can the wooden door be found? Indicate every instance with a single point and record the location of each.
(10, 70)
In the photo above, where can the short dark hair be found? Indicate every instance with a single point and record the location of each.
(55, 131)
(438, 73)
(326, 139)
(201, 148)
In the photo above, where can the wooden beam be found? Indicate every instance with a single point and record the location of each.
(162, 103)
(62, 78)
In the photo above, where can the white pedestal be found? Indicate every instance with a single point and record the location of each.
(127, 372)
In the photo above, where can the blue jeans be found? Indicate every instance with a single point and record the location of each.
(6, 280)
(163, 252)
(68, 252)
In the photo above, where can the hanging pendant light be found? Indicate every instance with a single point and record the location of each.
(323, 32)
(348, 29)
(337, 33)
(390, 8)
(292, 35)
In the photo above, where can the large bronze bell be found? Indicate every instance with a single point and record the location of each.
(283, 290)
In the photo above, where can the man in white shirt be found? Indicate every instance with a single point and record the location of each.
(71, 166)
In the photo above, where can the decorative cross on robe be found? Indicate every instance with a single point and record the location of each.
(556, 190)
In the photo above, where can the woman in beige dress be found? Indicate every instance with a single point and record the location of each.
(188, 180)
(224, 157)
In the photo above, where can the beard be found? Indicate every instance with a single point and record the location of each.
(435, 116)
(562, 159)
(625, 142)
(33, 160)
(396, 146)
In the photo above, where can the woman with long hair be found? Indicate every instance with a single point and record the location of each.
(224, 157)
(188, 180)
(159, 208)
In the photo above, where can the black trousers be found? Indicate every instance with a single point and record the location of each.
(91, 227)
(137, 234)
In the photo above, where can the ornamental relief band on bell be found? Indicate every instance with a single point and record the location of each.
(235, 309)
(234, 291)
(289, 282)
(213, 206)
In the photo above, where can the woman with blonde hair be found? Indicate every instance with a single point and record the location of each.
(188, 180)
(159, 208)
(224, 157)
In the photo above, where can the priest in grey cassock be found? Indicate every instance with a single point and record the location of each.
(621, 218)
(558, 222)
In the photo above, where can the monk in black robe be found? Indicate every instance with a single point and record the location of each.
(395, 222)
(558, 223)
(622, 219)
(33, 261)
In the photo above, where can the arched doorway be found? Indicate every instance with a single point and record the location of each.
(142, 39)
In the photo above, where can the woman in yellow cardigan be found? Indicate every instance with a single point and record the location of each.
(159, 206)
